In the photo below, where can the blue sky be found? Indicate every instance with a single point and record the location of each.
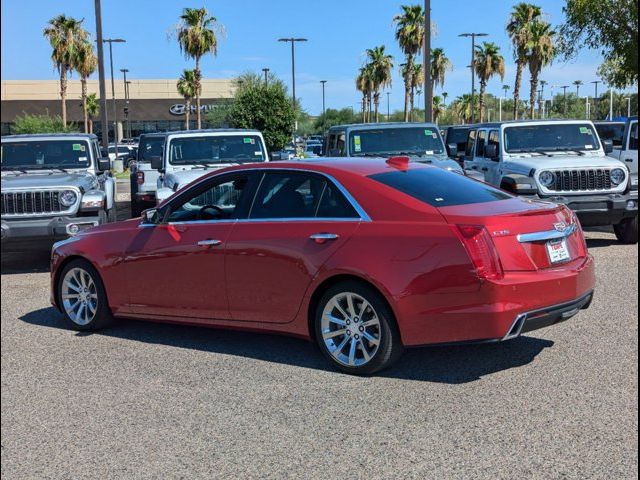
(339, 31)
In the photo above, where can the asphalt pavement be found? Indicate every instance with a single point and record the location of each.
(145, 400)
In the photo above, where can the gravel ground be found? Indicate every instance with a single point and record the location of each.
(146, 400)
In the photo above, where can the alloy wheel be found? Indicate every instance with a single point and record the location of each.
(79, 296)
(350, 329)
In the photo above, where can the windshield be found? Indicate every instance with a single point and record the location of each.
(34, 155)
(395, 141)
(551, 138)
(315, 149)
(216, 149)
(150, 147)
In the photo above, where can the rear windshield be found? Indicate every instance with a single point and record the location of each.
(46, 154)
(150, 147)
(216, 149)
(440, 188)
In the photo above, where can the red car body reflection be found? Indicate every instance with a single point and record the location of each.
(453, 273)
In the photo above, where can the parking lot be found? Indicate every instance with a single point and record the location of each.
(151, 400)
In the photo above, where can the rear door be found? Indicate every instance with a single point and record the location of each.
(297, 221)
(493, 175)
(630, 151)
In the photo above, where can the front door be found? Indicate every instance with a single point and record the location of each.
(177, 267)
(298, 220)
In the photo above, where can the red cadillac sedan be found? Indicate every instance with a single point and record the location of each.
(363, 257)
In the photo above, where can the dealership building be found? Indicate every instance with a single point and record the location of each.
(152, 105)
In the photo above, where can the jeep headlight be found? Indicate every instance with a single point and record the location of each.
(618, 176)
(547, 179)
(68, 198)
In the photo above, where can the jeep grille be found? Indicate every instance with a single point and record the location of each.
(45, 202)
(581, 180)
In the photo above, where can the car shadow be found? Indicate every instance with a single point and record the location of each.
(601, 242)
(25, 262)
(451, 364)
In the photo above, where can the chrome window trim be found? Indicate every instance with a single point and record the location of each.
(72, 210)
(548, 235)
(362, 214)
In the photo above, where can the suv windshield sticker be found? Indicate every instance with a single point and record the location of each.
(252, 141)
(428, 132)
(588, 147)
(429, 152)
(77, 147)
(258, 153)
(82, 159)
(585, 130)
(357, 145)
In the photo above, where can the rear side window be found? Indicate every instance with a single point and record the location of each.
(633, 137)
(471, 140)
(440, 188)
(482, 137)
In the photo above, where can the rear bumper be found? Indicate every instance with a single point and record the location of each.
(595, 210)
(499, 310)
(40, 233)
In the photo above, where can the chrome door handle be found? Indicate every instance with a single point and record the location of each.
(209, 243)
(324, 237)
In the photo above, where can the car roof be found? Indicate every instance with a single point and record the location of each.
(526, 122)
(51, 136)
(212, 130)
(378, 126)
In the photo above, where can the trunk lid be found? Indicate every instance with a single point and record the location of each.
(528, 235)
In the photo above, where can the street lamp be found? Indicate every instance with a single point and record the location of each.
(388, 106)
(127, 90)
(324, 109)
(293, 41)
(596, 100)
(473, 69)
(564, 96)
(111, 41)
(266, 76)
(103, 90)
(628, 99)
(428, 81)
(126, 99)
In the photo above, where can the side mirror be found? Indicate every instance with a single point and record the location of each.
(452, 149)
(156, 162)
(607, 145)
(491, 151)
(104, 164)
(151, 216)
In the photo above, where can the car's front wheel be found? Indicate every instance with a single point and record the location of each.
(356, 330)
(82, 297)
(627, 231)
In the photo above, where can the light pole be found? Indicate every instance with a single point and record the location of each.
(324, 108)
(473, 70)
(126, 100)
(293, 41)
(128, 89)
(610, 104)
(564, 96)
(628, 99)
(428, 81)
(596, 100)
(103, 90)
(266, 76)
(389, 106)
(543, 83)
(111, 41)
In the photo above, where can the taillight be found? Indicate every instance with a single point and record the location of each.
(482, 251)
(140, 178)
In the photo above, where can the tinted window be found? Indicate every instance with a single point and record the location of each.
(552, 137)
(611, 131)
(440, 188)
(150, 147)
(216, 149)
(299, 195)
(471, 140)
(216, 200)
(46, 154)
(633, 137)
(482, 136)
(457, 135)
(395, 141)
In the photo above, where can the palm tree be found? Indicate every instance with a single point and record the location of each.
(489, 62)
(410, 36)
(66, 36)
(85, 64)
(444, 98)
(92, 109)
(417, 81)
(439, 107)
(518, 28)
(381, 66)
(542, 50)
(186, 86)
(440, 64)
(197, 37)
(462, 107)
(506, 88)
(578, 84)
(364, 85)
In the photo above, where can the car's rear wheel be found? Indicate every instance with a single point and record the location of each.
(356, 329)
(627, 231)
(82, 297)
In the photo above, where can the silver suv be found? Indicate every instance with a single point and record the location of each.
(560, 161)
(53, 186)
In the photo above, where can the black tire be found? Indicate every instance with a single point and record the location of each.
(102, 317)
(627, 231)
(390, 346)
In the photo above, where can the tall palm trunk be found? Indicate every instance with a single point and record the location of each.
(63, 94)
(90, 125)
(364, 108)
(85, 114)
(187, 112)
(407, 88)
(376, 101)
(483, 89)
(370, 109)
(198, 78)
(516, 88)
(412, 102)
(534, 89)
